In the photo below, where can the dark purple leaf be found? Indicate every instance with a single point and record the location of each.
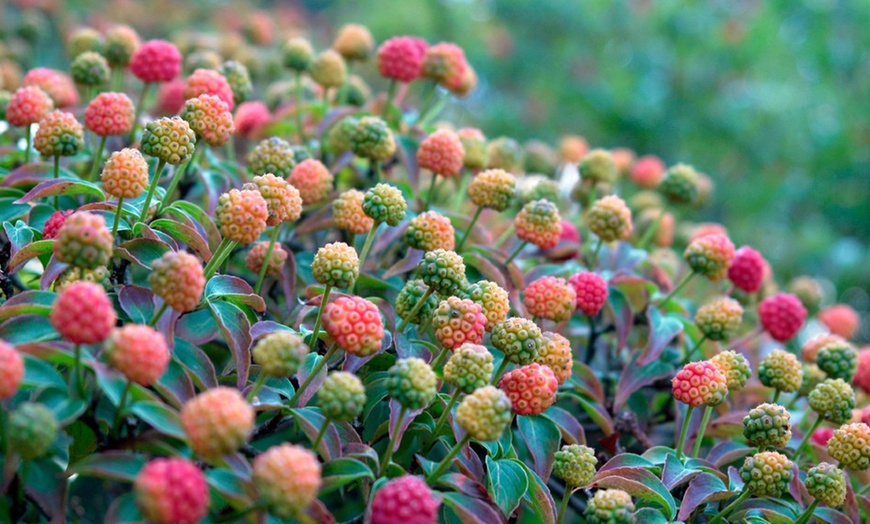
(311, 421)
(703, 489)
(397, 425)
(572, 431)
(137, 302)
(51, 272)
(634, 376)
(464, 509)
(661, 331)
(236, 332)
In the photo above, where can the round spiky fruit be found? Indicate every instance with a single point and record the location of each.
(83, 313)
(530, 388)
(373, 139)
(551, 298)
(469, 368)
(443, 271)
(342, 396)
(59, 134)
(90, 69)
(780, 370)
(121, 42)
(329, 69)
(313, 180)
(519, 339)
(336, 265)
(297, 54)
(170, 97)
(280, 354)
(83, 40)
(493, 188)
(239, 80)
(272, 155)
(808, 291)
(850, 446)
(815, 344)
(288, 478)
(217, 421)
(841, 319)
(210, 119)
(766, 474)
(407, 299)
(838, 359)
(251, 118)
(647, 171)
(445, 63)
(283, 201)
(710, 255)
(209, 82)
(811, 377)
(404, 500)
(862, 374)
(782, 316)
(177, 277)
(125, 174)
(169, 139)
(609, 218)
(139, 352)
(457, 321)
(735, 367)
(31, 430)
(171, 490)
(598, 166)
(401, 58)
(610, 506)
(442, 153)
(348, 213)
(827, 484)
(385, 203)
(573, 148)
(355, 324)
(539, 223)
(575, 464)
(429, 231)
(241, 215)
(556, 354)
(71, 275)
(590, 290)
(492, 298)
(474, 145)
(59, 86)
(156, 61)
(84, 241)
(12, 370)
(412, 383)
(485, 413)
(719, 320)
(28, 105)
(257, 257)
(700, 383)
(680, 184)
(833, 399)
(354, 42)
(767, 425)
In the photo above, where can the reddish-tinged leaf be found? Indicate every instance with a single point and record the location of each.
(267, 327)
(142, 251)
(51, 272)
(485, 267)
(542, 439)
(61, 187)
(236, 332)
(640, 483)
(137, 302)
(175, 385)
(111, 465)
(201, 219)
(457, 507)
(626, 460)
(34, 249)
(703, 489)
(572, 431)
(539, 498)
(311, 421)
(727, 452)
(596, 411)
(29, 174)
(623, 316)
(235, 290)
(27, 303)
(405, 265)
(196, 362)
(587, 383)
(185, 235)
(634, 376)
(400, 425)
(662, 329)
(311, 360)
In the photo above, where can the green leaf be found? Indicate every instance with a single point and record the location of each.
(598, 413)
(235, 290)
(159, 416)
(229, 484)
(111, 465)
(341, 472)
(62, 187)
(460, 508)
(196, 362)
(199, 216)
(539, 497)
(638, 483)
(142, 251)
(507, 483)
(10, 210)
(661, 331)
(27, 329)
(185, 235)
(67, 410)
(635, 376)
(40, 374)
(650, 516)
(28, 303)
(236, 331)
(542, 438)
(35, 249)
(703, 489)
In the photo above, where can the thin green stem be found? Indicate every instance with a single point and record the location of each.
(267, 258)
(320, 434)
(139, 106)
(416, 309)
(428, 95)
(56, 176)
(117, 217)
(158, 314)
(391, 93)
(231, 149)
(685, 429)
(515, 253)
(119, 414)
(315, 333)
(29, 130)
(651, 230)
(299, 129)
(222, 252)
(500, 371)
(864, 490)
(677, 289)
(439, 359)
(443, 418)
(594, 260)
(325, 98)
(731, 507)
(180, 173)
(431, 192)
(151, 189)
(697, 345)
(329, 353)
(261, 379)
(367, 245)
(704, 421)
(806, 439)
(564, 504)
(388, 454)
(379, 171)
(97, 158)
(117, 78)
(776, 394)
(808, 513)
(468, 229)
(445, 463)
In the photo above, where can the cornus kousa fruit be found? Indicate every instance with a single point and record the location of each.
(710, 256)
(590, 290)
(169, 139)
(348, 214)
(531, 389)
(700, 383)
(442, 153)
(336, 265)
(217, 421)
(89, 69)
(485, 413)
(474, 145)
(575, 464)
(457, 321)
(288, 478)
(412, 383)
(811, 377)
(781, 371)
(404, 500)
(680, 184)
(841, 319)
(766, 474)
(297, 54)
(443, 271)
(815, 344)
(171, 490)
(429, 231)
(445, 63)
(59, 134)
(328, 69)
(283, 201)
(807, 289)
(556, 354)
(493, 189)
(838, 359)
(401, 58)
(355, 324)
(210, 119)
(280, 354)
(572, 148)
(31, 429)
(156, 61)
(250, 118)
(551, 298)
(340, 136)
(28, 105)
(125, 174)
(412, 292)
(242, 215)
(74, 274)
(354, 42)
(862, 373)
(539, 223)
(609, 218)
(83, 313)
(209, 82)
(373, 139)
(492, 298)
(272, 155)
(833, 399)
(139, 352)
(850, 446)
(177, 278)
(385, 203)
(239, 79)
(735, 367)
(58, 85)
(647, 171)
(782, 316)
(121, 42)
(598, 165)
(12, 370)
(313, 180)
(469, 368)
(504, 153)
(610, 506)
(827, 484)
(342, 396)
(257, 257)
(85, 39)
(720, 319)
(170, 97)
(54, 223)
(767, 425)
(519, 339)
